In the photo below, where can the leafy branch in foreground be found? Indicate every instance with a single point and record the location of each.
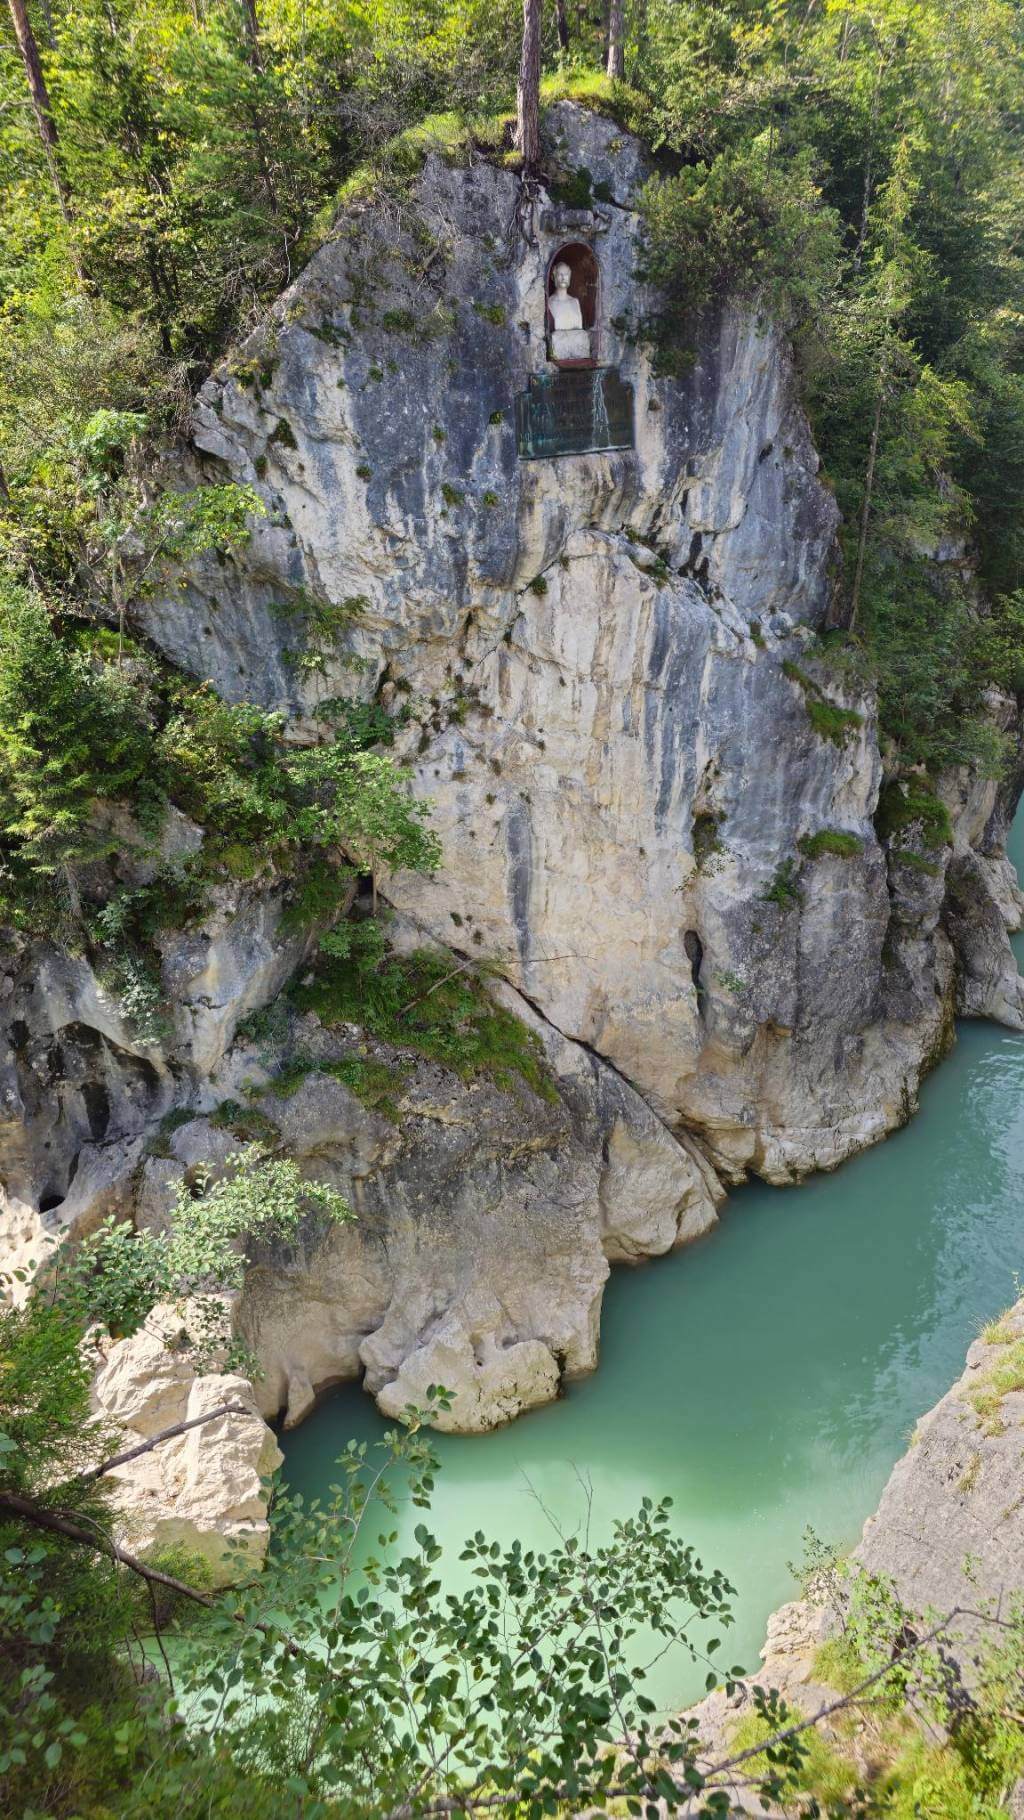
(390, 1697)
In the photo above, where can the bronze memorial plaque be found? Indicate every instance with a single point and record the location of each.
(575, 411)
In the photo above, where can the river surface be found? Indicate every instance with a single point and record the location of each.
(768, 1377)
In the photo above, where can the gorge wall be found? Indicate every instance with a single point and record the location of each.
(655, 800)
(946, 1542)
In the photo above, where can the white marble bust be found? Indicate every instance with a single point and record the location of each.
(569, 339)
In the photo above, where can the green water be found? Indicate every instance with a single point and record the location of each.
(768, 1377)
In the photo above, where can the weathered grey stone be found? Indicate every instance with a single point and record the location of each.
(988, 984)
(485, 1221)
(81, 1090)
(949, 1529)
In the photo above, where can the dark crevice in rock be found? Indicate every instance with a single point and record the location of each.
(695, 955)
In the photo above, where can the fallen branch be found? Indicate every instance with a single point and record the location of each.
(64, 1523)
(166, 1434)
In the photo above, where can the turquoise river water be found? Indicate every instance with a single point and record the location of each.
(768, 1377)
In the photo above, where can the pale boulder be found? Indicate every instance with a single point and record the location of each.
(490, 1382)
(203, 1491)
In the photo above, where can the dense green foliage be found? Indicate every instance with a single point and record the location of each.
(117, 1275)
(861, 169)
(923, 1746)
(523, 1691)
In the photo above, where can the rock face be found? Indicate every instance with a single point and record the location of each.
(950, 1526)
(948, 1532)
(486, 1221)
(609, 689)
(604, 664)
(81, 1087)
(201, 1492)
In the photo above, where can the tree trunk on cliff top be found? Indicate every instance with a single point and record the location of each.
(40, 102)
(562, 25)
(528, 92)
(616, 62)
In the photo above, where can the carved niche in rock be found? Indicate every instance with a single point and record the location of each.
(581, 407)
(573, 296)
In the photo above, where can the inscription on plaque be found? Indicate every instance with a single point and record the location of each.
(576, 411)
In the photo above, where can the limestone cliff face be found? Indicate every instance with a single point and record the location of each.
(604, 663)
(609, 693)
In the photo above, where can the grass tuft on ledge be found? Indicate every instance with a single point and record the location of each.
(832, 841)
(426, 1002)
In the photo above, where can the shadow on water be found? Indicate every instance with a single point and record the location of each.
(767, 1378)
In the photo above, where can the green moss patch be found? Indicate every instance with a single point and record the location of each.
(377, 1084)
(911, 807)
(918, 863)
(707, 840)
(998, 1381)
(833, 841)
(246, 1123)
(829, 720)
(160, 1143)
(825, 1774)
(783, 889)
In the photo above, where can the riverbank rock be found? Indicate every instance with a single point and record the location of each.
(487, 1216)
(950, 1526)
(948, 1534)
(199, 1495)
